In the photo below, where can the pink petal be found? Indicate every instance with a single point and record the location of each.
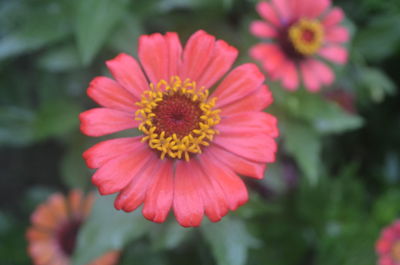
(115, 175)
(110, 94)
(258, 147)
(262, 30)
(268, 13)
(160, 55)
(311, 81)
(237, 163)
(324, 74)
(233, 187)
(188, 205)
(100, 153)
(334, 17)
(159, 196)
(128, 73)
(221, 61)
(337, 34)
(313, 9)
(256, 101)
(282, 8)
(290, 77)
(336, 54)
(211, 193)
(271, 57)
(197, 54)
(245, 124)
(239, 83)
(133, 195)
(103, 121)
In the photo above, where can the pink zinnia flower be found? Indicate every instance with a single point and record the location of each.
(388, 245)
(197, 133)
(55, 227)
(298, 34)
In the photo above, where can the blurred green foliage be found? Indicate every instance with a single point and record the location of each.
(336, 181)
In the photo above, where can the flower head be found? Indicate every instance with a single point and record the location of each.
(388, 245)
(55, 226)
(300, 33)
(197, 133)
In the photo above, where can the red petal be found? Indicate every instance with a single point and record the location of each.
(159, 196)
(268, 13)
(290, 77)
(153, 54)
(270, 55)
(108, 93)
(311, 81)
(324, 74)
(233, 187)
(334, 17)
(237, 163)
(188, 205)
(262, 30)
(115, 175)
(197, 55)
(313, 9)
(99, 154)
(247, 123)
(174, 53)
(221, 61)
(282, 8)
(239, 83)
(103, 121)
(132, 196)
(337, 35)
(336, 54)
(258, 146)
(256, 101)
(128, 73)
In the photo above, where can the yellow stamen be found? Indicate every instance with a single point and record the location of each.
(306, 45)
(174, 146)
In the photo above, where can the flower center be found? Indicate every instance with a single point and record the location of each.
(177, 118)
(306, 36)
(66, 236)
(396, 251)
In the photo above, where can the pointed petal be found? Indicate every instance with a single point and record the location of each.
(334, 17)
(336, 54)
(197, 55)
(270, 55)
(159, 196)
(240, 165)
(337, 35)
(313, 9)
(100, 153)
(103, 121)
(115, 175)
(256, 101)
(221, 61)
(324, 74)
(310, 79)
(239, 83)
(268, 13)
(188, 205)
(128, 74)
(290, 77)
(263, 30)
(233, 187)
(283, 9)
(132, 196)
(108, 93)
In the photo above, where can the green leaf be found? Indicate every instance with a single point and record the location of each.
(56, 118)
(169, 235)
(229, 240)
(107, 229)
(325, 116)
(94, 22)
(377, 83)
(16, 126)
(60, 59)
(44, 28)
(380, 38)
(304, 143)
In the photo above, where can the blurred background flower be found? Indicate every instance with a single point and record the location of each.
(336, 181)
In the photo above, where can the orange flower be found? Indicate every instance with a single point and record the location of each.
(55, 226)
(201, 126)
